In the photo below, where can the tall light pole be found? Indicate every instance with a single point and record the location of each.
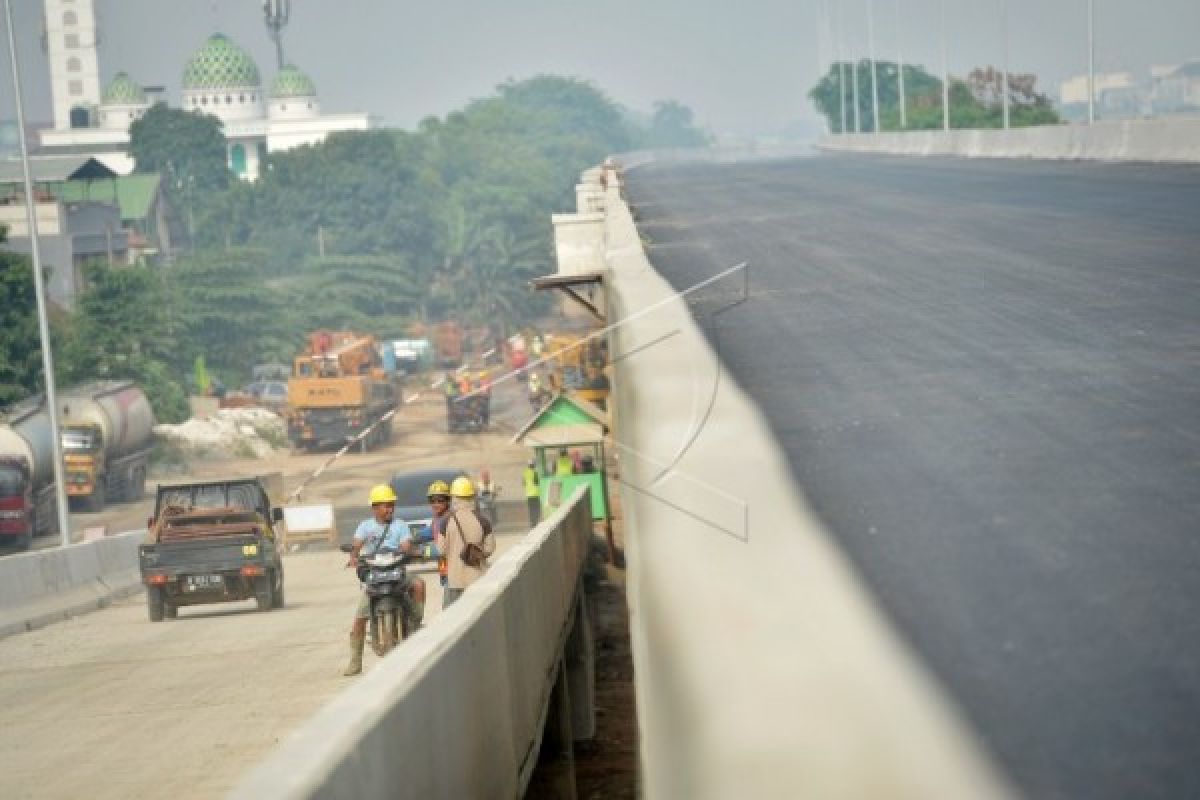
(871, 55)
(837, 47)
(35, 252)
(854, 86)
(276, 14)
(1004, 66)
(900, 72)
(1091, 33)
(945, 75)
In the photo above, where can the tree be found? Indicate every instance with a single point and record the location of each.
(223, 311)
(121, 330)
(189, 148)
(20, 351)
(971, 104)
(672, 126)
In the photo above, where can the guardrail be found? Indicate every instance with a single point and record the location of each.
(460, 708)
(1156, 140)
(45, 586)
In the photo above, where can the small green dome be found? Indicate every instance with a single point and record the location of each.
(220, 64)
(123, 91)
(291, 82)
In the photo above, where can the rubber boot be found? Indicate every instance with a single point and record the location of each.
(356, 653)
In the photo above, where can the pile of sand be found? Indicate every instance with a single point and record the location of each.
(230, 433)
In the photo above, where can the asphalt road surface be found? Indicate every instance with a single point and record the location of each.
(986, 377)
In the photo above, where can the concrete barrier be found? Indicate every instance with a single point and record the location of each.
(45, 586)
(1155, 140)
(458, 710)
(763, 668)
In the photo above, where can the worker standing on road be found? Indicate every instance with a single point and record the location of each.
(467, 541)
(376, 533)
(533, 492)
(450, 387)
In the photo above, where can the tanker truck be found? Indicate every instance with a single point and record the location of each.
(26, 476)
(107, 433)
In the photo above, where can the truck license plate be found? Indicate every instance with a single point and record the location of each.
(199, 583)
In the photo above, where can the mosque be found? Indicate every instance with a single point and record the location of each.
(219, 79)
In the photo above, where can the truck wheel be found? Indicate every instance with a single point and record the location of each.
(136, 489)
(279, 591)
(96, 501)
(155, 603)
(172, 610)
(264, 592)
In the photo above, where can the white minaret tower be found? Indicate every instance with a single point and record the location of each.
(74, 66)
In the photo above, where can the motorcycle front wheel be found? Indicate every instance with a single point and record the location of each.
(388, 631)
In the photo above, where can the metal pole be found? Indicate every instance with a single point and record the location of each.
(837, 46)
(1091, 33)
(900, 72)
(945, 75)
(64, 519)
(1004, 66)
(871, 55)
(854, 86)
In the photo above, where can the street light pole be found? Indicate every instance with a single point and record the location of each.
(1091, 62)
(900, 72)
(1004, 67)
(60, 497)
(945, 75)
(837, 48)
(871, 55)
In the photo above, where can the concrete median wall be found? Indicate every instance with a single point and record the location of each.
(763, 668)
(457, 711)
(45, 586)
(1158, 140)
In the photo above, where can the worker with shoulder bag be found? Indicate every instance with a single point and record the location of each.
(466, 540)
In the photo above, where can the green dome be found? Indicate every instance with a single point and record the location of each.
(291, 82)
(220, 64)
(123, 91)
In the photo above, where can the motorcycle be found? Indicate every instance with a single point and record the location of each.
(384, 578)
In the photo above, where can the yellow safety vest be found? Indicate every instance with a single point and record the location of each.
(531, 482)
(565, 466)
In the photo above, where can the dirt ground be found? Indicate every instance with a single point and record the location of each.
(606, 766)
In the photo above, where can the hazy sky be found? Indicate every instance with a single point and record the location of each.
(744, 67)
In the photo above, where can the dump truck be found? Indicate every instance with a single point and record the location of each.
(211, 542)
(107, 432)
(339, 389)
(26, 476)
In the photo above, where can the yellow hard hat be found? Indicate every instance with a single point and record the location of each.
(382, 494)
(437, 488)
(462, 487)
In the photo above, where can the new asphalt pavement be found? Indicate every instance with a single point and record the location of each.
(986, 378)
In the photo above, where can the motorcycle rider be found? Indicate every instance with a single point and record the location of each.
(464, 527)
(379, 533)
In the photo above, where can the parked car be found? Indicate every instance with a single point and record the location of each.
(270, 394)
(411, 488)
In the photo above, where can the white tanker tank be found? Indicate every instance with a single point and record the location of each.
(107, 432)
(26, 474)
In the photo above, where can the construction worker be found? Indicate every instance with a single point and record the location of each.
(450, 387)
(464, 383)
(533, 492)
(380, 531)
(564, 464)
(439, 506)
(466, 542)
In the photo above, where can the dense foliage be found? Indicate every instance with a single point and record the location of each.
(20, 356)
(368, 231)
(974, 103)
